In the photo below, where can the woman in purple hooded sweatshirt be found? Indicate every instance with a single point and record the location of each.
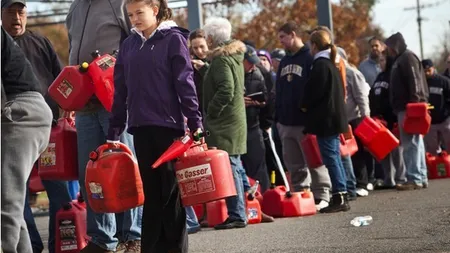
(153, 79)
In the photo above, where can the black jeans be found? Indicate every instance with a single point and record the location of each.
(254, 162)
(164, 217)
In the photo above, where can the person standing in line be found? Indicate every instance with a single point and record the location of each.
(100, 25)
(46, 66)
(380, 107)
(293, 74)
(408, 85)
(156, 118)
(25, 132)
(370, 67)
(324, 105)
(225, 110)
(439, 86)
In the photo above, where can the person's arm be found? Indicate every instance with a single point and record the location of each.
(412, 76)
(360, 91)
(56, 65)
(223, 77)
(315, 87)
(118, 119)
(183, 77)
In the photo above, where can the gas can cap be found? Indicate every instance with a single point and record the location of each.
(93, 156)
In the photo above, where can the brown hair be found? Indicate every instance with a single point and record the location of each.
(290, 27)
(198, 33)
(322, 41)
(164, 13)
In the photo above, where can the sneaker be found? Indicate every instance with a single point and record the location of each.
(362, 192)
(193, 230)
(425, 185)
(370, 187)
(229, 224)
(321, 204)
(409, 186)
(133, 247)
(121, 247)
(94, 248)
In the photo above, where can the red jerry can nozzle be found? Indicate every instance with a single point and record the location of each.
(93, 156)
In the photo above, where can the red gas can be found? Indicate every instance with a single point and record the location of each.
(204, 175)
(311, 151)
(70, 228)
(113, 182)
(217, 212)
(200, 211)
(396, 131)
(101, 70)
(277, 202)
(417, 119)
(35, 183)
(348, 143)
(441, 166)
(253, 210)
(376, 138)
(60, 159)
(72, 89)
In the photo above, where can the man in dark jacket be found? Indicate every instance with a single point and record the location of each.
(25, 131)
(46, 66)
(408, 85)
(293, 73)
(439, 85)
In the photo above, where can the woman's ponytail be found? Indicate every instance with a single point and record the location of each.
(333, 53)
(165, 13)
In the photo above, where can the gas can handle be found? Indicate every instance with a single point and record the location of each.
(119, 145)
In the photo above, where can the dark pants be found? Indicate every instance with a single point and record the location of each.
(363, 162)
(35, 238)
(254, 162)
(164, 217)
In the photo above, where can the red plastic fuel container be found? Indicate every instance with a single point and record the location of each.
(311, 151)
(113, 182)
(204, 175)
(440, 168)
(73, 88)
(35, 183)
(277, 202)
(376, 138)
(70, 236)
(348, 143)
(60, 159)
(417, 119)
(101, 70)
(217, 212)
(254, 215)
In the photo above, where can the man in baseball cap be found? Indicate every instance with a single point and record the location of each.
(251, 56)
(14, 18)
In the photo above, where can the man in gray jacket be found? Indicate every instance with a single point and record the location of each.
(100, 25)
(370, 67)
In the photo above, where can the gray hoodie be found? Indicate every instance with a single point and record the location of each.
(357, 93)
(95, 25)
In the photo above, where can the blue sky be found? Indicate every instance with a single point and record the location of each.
(391, 17)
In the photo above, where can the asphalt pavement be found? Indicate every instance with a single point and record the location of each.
(413, 221)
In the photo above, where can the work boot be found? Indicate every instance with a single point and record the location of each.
(229, 224)
(339, 203)
(266, 218)
(133, 247)
(94, 248)
(121, 247)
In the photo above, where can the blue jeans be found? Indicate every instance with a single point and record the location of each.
(245, 182)
(191, 219)
(236, 204)
(58, 194)
(105, 229)
(331, 156)
(413, 154)
(350, 174)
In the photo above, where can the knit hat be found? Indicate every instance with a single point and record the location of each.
(427, 63)
(266, 54)
(278, 54)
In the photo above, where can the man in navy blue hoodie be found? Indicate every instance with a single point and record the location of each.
(293, 73)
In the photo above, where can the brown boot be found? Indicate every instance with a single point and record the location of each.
(266, 218)
(133, 247)
(409, 186)
(94, 248)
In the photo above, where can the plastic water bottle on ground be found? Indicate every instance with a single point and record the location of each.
(361, 221)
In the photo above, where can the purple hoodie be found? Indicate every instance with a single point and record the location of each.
(153, 79)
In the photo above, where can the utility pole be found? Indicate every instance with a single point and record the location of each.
(195, 19)
(324, 14)
(419, 24)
